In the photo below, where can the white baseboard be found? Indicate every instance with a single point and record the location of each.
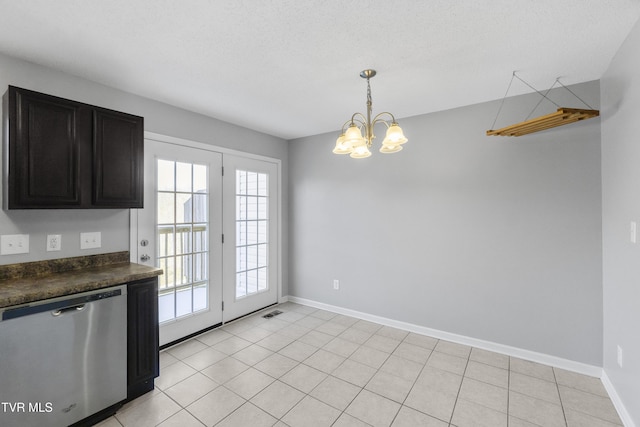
(558, 362)
(617, 402)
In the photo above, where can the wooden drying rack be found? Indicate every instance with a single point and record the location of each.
(563, 116)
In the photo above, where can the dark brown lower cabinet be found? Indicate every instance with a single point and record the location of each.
(142, 337)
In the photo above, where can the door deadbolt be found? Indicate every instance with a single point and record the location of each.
(144, 242)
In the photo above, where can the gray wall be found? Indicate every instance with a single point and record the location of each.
(159, 118)
(493, 238)
(620, 89)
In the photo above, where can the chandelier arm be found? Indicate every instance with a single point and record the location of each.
(377, 119)
(362, 119)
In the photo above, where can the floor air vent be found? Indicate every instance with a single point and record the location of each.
(273, 313)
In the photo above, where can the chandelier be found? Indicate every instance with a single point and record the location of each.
(353, 142)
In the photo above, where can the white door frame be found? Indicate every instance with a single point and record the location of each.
(133, 213)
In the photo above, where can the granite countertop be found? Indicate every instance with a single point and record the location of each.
(28, 282)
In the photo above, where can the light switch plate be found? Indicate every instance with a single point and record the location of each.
(11, 244)
(90, 240)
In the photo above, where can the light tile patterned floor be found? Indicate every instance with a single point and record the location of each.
(309, 367)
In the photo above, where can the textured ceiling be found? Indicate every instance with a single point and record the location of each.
(290, 67)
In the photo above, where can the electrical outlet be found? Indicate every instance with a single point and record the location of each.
(54, 242)
(633, 232)
(90, 240)
(620, 356)
(11, 244)
(336, 284)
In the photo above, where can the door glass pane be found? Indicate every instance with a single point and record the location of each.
(200, 297)
(262, 184)
(252, 281)
(184, 204)
(166, 244)
(166, 208)
(262, 279)
(183, 176)
(262, 231)
(166, 306)
(252, 205)
(166, 181)
(200, 203)
(262, 208)
(199, 179)
(200, 238)
(184, 301)
(182, 238)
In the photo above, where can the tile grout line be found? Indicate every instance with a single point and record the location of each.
(364, 386)
(414, 381)
(555, 380)
(459, 388)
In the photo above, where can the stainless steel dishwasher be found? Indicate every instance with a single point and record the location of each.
(63, 359)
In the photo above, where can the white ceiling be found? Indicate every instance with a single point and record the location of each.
(291, 68)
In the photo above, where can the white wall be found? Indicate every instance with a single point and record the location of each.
(620, 91)
(159, 118)
(492, 238)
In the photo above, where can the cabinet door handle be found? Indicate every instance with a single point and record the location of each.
(145, 258)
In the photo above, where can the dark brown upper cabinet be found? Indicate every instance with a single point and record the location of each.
(65, 154)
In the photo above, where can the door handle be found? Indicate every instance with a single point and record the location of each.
(145, 258)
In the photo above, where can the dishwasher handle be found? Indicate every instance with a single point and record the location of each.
(78, 307)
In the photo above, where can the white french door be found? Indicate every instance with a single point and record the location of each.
(251, 235)
(190, 209)
(179, 231)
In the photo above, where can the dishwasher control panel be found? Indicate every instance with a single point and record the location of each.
(61, 303)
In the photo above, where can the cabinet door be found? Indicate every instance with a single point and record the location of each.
(142, 337)
(44, 150)
(117, 159)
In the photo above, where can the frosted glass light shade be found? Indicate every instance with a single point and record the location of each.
(394, 136)
(388, 149)
(353, 136)
(341, 146)
(359, 148)
(360, 152)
